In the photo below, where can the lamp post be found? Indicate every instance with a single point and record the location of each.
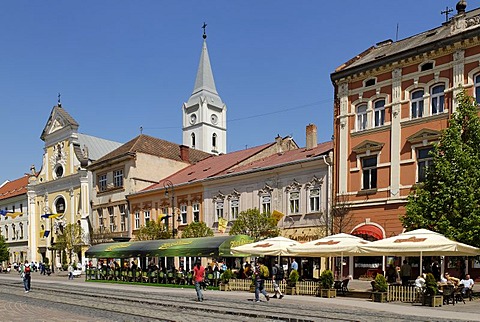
(168, 185)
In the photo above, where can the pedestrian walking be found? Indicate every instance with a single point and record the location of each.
(198, 277)
(70, 271)
(26, 276)
(261, 273)
(278, 275)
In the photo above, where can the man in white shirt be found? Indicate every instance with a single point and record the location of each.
(467, 284)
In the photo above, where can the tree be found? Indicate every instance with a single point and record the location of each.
(197, 229)
(341, 215)
(448, 201)
(255, 224)
(71, 240)
(4, 251)
(153, 230)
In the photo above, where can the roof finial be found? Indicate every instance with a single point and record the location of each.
(204, 27)
(446, 12)
(58, 100)
(461, 6)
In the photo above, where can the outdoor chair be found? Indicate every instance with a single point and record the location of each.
(180, 278)
(171, 278)
(448, 291)
(153, 277)
(457, 294)
(162, 278)
(469, 294)
(344, 286)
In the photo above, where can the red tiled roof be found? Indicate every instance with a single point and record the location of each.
(14, 188)
(211, 166)
(153, 146)
(301, 154)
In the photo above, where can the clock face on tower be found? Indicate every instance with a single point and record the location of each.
(193, 118)
(214, 119)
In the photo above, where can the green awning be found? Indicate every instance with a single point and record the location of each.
(190, 247)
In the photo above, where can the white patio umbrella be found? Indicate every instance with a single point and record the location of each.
(276, 246)
(418, 243)
(338, 245)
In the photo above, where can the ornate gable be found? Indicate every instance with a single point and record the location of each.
(422, 135)
(368, 145)
(59, 119)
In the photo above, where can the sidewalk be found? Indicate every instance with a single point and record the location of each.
(470, 311)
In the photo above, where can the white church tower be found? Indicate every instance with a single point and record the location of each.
(205, 114)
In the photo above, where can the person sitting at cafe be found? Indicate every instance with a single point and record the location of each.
(420, 282)
(391, 274)
(467, 284)
(451, 279)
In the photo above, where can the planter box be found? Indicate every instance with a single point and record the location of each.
(226, 287)
(380, 297)
(433, 301)
(291, 290)
(328, 292)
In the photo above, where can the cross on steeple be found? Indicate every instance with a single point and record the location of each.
(59, 101)
(446, 12)
(204, 27)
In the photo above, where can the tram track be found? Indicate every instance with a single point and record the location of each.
(164, 303)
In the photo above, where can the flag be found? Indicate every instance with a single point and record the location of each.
(51, 216)
(3, 212)
(277, 215)
(222, 224)
(163, 216)
(42, 233)
(46, 233)
(14, 214)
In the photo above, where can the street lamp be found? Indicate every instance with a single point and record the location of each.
(168, 185)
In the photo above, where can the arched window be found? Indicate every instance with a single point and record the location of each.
(362, 117)
(417, 104)
(214, 140)
(438, 99)
(477, 88)
(193, 140)
(379, 112)
(60, 205)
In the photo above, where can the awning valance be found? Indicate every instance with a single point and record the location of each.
(200, 247)
(369, 230)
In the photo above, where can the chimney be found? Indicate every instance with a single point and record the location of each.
(311, 136)
(278, 141)
(185, 153)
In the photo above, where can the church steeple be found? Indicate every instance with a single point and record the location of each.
(204, 115)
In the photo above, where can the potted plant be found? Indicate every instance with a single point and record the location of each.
(326, 284)
(431, 290)
(380, 289)
(225, 278)
(292, 282)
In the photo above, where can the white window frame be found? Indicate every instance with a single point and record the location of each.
(219, 204)
(369, 170)
(266, 200)
(137, 220)
(379, 112)
(123, 217)
(437, 100)
(111, 215)
(234, 203)
(146, 216)
(118, 178)
(423, 162)
(294, 202)
(101, 224)
(102, 182)
(196, 211)
(417, 104)
(183, 213)
(314, 199)
(362, 117)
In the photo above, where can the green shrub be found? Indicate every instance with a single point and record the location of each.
(226, 276)
(431, 286)
(293, 278)
(381, 283)
(326, 279)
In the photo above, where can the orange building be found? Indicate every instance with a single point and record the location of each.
(391, 103)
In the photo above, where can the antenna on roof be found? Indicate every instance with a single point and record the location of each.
(58, 100)
(396, 35)
(141, 129)
(446, 12)
(204, 27)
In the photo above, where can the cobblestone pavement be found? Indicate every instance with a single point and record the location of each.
(55, 298)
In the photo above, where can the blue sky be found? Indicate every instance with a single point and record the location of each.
(120, 65)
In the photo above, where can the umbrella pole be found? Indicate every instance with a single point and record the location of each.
(421, 263)
(341, 266)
